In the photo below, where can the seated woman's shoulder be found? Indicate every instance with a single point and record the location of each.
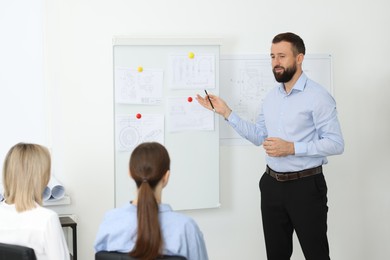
(179, 219)
(121, 212)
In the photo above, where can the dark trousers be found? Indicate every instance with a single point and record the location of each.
(297, 205)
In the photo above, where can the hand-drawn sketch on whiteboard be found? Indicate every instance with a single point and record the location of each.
(184, 114)
(136, 129)
(246, 79)
(195, 72)
(138, 87)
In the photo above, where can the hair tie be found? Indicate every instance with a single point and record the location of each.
(144, 180)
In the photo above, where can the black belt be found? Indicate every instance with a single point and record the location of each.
(289, 176)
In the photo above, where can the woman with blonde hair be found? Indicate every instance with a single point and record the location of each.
(23, 220)
(146, 227)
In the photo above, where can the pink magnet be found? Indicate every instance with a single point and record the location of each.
(189, 99)
(138, 116)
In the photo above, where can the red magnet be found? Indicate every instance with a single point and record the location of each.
(189, 99)
(138, 116)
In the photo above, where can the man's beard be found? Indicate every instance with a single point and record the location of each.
(286, 75)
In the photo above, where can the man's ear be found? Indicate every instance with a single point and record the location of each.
(300, 58)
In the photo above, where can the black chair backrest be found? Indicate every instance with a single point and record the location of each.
(104, 255)
(14, 252)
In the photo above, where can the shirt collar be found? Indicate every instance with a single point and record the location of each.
(299, 85)
(161, 207)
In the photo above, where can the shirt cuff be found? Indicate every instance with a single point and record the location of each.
(300, 148)
(232, 119)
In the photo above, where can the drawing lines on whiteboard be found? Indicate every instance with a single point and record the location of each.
(184, 116)
(133, 87)
(247, 83)
(195, 73)
(131, 131)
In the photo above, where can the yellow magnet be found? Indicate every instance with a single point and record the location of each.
(191, 55)
(140, 69)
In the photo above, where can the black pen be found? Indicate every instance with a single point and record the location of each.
(209, 100)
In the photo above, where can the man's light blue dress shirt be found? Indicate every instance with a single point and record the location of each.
(306, 116)
(181, 234)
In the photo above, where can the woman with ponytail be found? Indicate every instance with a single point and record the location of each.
(146, 228)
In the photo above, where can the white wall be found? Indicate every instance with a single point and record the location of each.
(22, 96)
(78, 67)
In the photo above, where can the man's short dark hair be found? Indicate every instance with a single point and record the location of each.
(297, 43)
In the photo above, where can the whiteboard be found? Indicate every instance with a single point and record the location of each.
(246, 79)
(194, 179)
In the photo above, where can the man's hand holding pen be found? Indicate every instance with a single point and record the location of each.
(214, 103)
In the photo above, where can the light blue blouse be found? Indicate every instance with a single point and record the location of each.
(181, 234)
(306, 116)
